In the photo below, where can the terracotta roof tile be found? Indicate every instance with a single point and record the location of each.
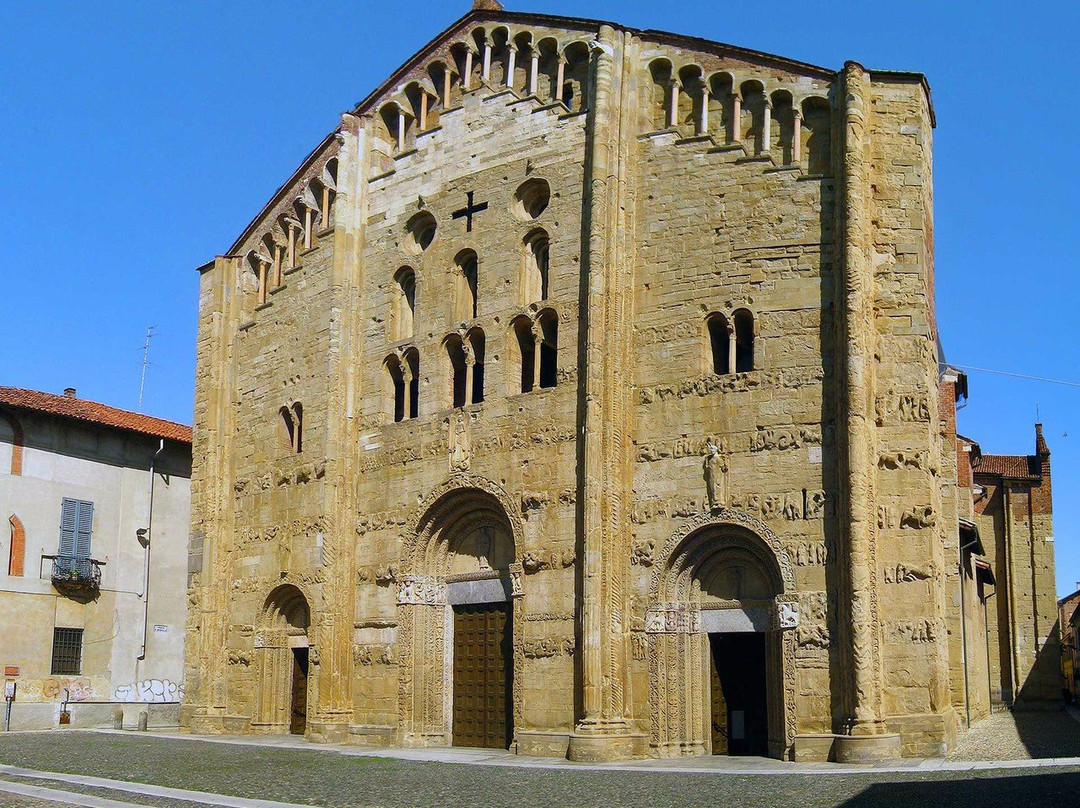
(1024, 467)
(90, 411)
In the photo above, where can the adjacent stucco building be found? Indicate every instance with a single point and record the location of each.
(94, 519)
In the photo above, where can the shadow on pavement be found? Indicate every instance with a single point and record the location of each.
(982, 792)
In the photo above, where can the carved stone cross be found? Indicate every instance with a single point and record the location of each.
(469, 210)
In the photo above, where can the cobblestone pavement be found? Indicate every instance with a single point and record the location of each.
(326, 778)
(1020, 736)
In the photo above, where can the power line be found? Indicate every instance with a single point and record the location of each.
(1019, 375)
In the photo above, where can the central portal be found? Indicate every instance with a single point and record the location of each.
(740, 711)
(483, 675)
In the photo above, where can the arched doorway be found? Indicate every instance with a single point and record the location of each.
(458, 629)
(721, 662)
(282, 651)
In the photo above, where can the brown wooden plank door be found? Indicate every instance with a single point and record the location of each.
(298, 698)
(483, 676)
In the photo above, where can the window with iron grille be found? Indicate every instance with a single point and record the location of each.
(67, 651)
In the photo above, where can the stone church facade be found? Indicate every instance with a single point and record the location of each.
(576, 396)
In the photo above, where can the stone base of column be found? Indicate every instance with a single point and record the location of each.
(328, 729)
(200, 722)
(605, 741)
(867, 748)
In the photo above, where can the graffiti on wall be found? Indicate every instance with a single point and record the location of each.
(149, 690)
(52, 689)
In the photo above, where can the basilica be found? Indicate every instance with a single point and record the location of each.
(581, 395)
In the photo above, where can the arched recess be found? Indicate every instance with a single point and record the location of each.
(11, 431)
(462, 550)
(17, 548)
(721, 573)
(281, 655)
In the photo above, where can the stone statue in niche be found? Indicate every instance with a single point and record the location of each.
(459, 443)
(716, 467)
(484, 541)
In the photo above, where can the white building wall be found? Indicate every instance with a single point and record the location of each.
(64, 458)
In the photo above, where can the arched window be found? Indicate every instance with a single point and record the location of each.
(548, 326)
(455, 352)
(404, 307)
(718, 355)
(396, 386)
(286, 429)
(526, 345)
(298, 427)
(467, 279)
(412, 378)
(18, 546)
(534, 282)
(744, 340)
(476, 343)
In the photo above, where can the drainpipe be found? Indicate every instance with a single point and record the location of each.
(146, 565)
(989, 678)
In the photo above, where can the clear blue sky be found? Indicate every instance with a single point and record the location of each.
(139, 138)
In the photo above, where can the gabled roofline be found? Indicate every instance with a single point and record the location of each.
(663, 37)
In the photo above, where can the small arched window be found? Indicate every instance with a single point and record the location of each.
(18, 546)
(298, 427)
(526, 354)
(477, 344)
(548, 327)
(467, 279)
(412, 378)
(718, 352)
(404, 307)
(534, 283)
(744, 340)
(455, 352)
(286, 429)
(396, 387)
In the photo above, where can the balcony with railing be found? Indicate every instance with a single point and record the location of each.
(74, 575)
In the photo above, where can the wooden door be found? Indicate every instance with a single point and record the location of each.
(739, 662)
(298, 712)
(483, 676)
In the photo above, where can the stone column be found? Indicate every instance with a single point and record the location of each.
(277, 265)
(466, 79)
(731, 346)
(538, 341)
(863, 730)
(534, 71)
(290, 255)
(470, 368)
(673, 112)
(511, 63)
(485, 73)
(736, 118)
(423, 110)
(766, 128)
(406, 375)
(400, 130)
(307, 228)
(703, 126)
(447, 76)
(560, 78)
(604, 731)
(796, 136)
(262, 281)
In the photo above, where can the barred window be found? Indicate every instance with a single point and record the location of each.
(67, 651)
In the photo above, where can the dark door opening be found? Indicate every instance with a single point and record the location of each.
(483, 676)
(740, 705)
(298, 712)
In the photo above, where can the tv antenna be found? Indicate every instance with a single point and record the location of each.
(145, 362)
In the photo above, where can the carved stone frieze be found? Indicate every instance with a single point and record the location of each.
(536, 560)
(421, 590)
(545, 647)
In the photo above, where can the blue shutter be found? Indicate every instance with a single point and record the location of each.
(68, 521)
(84, 529)
(76, 527)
